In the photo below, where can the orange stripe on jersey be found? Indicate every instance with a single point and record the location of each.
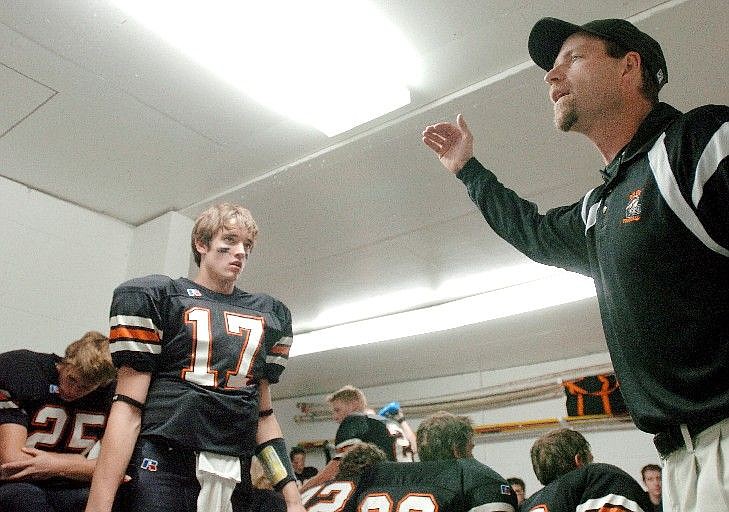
(123, 332)
(280, 350)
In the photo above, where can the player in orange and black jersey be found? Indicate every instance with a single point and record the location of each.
(53, 410)
(358, 424)
(207, 351)
(197, 358)
(562, 461)
(371, 428)
(455, 482)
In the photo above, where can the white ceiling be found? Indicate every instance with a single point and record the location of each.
(98, 112)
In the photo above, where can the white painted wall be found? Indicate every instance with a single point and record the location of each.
(58, 266)
(627, 448)
(60, 263)
(161, 246)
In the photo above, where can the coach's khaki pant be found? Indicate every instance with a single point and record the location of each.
(696, 477)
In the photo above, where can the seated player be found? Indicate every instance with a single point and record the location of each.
(298, 462)
(53, 411)
(517, 485)
(562, 461)
(448, 478)
(262, 498)
(651, 475)
(196, 359)
(358, 424)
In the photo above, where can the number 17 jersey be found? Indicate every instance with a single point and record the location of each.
(206, 352)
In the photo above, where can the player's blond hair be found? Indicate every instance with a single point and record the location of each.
(217, 217)
(90, 356)
(444, 436)
(351, 395)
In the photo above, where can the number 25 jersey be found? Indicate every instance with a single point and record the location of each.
(206, 352)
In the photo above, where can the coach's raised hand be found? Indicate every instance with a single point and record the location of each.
(453, 143)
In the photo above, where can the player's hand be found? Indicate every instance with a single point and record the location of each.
(453, 143)
(295, 507)
(39, 466)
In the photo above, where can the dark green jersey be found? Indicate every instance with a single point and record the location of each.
(463, 485)
(591, 487)
(372, 428)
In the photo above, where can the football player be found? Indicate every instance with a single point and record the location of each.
(53, 411)
(195, 359)
(451, 481)
(359, 424)
(562, 462)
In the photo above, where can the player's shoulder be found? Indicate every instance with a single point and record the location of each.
(353, 425)
(603, 468)
(24, 362)
(263, 302)
(476, 474)
(153, 283)
(30, 373)
(354, 418)
(595, 475)
(613, 476)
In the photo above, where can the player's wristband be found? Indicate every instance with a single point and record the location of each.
(118, 397)
(275, 460)
(264, 413)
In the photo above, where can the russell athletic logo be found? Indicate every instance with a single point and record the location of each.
(149, 465)
(632, 210)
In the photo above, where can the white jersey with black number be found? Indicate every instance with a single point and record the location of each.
(206, 352)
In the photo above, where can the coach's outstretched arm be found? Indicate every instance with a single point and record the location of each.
(453, 143)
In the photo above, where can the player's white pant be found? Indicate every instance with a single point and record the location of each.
(696, 478)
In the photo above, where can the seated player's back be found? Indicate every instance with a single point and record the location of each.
(375, 429)
(460, 485)
(594, 486)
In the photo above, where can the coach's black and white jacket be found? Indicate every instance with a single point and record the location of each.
(655, 239)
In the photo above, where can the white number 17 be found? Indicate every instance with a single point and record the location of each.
(250, 328)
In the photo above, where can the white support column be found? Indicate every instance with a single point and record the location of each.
(161, 246)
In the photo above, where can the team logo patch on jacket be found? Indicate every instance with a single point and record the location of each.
(632, 209)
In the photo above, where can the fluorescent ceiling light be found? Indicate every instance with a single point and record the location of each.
(418, 297)
(554, 288)
(332, 64)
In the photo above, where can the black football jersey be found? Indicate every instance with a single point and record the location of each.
(29, 397)
(461, 485)
(206, 351)
(375, 429)
(594, 486)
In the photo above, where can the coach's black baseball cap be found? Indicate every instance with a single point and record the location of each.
(548, 35)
